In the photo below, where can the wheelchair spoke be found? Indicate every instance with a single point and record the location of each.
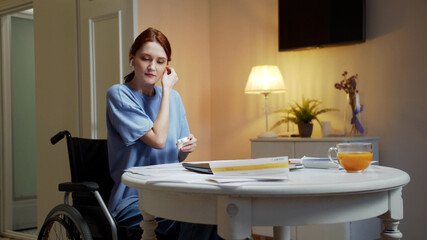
(59, 227)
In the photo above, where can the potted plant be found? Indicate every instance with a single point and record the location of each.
(302, 115)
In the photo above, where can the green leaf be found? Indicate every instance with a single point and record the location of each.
(302, 113)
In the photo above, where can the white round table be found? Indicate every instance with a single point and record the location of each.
(309, 196)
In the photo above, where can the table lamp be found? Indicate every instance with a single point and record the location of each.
(265, 79)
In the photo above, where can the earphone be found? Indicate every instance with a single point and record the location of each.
(131, 63)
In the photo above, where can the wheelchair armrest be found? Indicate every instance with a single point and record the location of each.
(78, 187)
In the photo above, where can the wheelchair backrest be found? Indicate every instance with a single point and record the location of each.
(90, 164)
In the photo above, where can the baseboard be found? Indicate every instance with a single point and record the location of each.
(24, 214)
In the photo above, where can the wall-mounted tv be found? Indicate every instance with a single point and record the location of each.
(318, 23)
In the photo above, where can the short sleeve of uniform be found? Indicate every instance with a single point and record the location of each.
(126, 114)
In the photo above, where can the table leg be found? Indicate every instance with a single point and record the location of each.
(234, 217)
(391, 218)
(148, 225)
(282, 232)
(391, 232)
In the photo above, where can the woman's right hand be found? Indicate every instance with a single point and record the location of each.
(169, 78)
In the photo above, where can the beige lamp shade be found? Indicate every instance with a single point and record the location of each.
(265, 79)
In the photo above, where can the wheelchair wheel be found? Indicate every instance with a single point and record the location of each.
(64, 222)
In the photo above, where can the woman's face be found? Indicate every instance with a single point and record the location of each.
(150, 62)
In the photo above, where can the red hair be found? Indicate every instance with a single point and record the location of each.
(149, 35)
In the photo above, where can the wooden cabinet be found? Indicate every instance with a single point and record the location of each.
(317, 147)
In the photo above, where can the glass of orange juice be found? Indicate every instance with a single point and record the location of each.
(353, 157)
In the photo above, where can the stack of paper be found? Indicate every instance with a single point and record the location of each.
(224, 171)
(260, 169)
(167, 173)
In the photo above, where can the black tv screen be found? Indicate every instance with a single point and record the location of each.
(318, 23)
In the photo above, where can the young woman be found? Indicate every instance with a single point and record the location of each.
(144, 122)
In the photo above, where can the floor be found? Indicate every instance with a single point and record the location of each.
(257, 237)
(254, 237)
(29, 231)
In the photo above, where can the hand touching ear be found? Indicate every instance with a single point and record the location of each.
(170, 78)
(168, 70)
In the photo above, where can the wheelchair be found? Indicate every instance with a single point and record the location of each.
(88, 218)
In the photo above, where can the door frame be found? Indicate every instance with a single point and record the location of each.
(11, 6)
(7, 7)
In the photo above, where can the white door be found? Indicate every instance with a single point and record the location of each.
(107, 30)
(75, 42)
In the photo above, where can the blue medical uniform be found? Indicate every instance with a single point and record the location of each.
(130, 115)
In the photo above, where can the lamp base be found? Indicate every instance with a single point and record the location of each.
(267, 135)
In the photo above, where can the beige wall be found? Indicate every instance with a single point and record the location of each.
(56, 91)
(186, 24)
(243, 33)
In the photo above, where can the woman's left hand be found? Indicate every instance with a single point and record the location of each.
(190, 146)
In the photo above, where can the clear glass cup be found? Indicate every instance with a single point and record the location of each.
(353, 157)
